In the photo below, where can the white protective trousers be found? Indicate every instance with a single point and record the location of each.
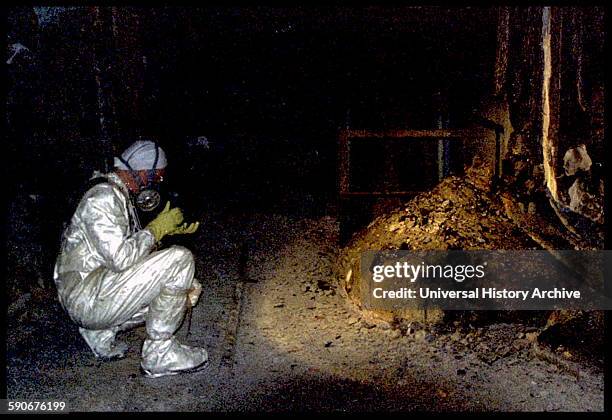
(109, 280)
(107, 299)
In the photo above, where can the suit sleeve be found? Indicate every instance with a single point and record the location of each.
(108, 229)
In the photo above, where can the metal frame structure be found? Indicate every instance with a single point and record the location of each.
(347, 135)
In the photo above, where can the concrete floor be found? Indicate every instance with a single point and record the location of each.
(290, 343)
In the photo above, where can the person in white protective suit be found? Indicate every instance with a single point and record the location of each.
(109, 276)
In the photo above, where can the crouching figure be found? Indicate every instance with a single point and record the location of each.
(110, 277)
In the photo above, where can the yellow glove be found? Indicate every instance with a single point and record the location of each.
(185, 229)
(166, 221)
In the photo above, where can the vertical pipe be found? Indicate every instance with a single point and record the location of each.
(343, 162)
(440, 150)
(443, 144)
(446, 146)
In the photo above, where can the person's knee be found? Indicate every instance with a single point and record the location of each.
(184, 263)
(181, 254)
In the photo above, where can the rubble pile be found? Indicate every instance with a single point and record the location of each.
(459, 213)
(462, 213)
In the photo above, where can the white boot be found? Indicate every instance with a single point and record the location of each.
(161, 354)
(103, 344)
(169, 357)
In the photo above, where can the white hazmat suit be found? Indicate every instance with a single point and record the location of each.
(109, 279)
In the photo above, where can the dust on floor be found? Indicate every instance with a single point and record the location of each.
(296, 345)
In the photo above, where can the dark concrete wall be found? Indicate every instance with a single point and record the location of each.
(269, 87)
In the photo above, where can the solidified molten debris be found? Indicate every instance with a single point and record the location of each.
(459, 213)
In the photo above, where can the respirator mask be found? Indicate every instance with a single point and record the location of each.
(149, 195)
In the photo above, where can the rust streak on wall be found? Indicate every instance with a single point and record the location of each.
(501, 56)
(548, 147)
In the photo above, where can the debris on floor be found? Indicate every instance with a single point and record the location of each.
(299, 345)
(459, 213)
